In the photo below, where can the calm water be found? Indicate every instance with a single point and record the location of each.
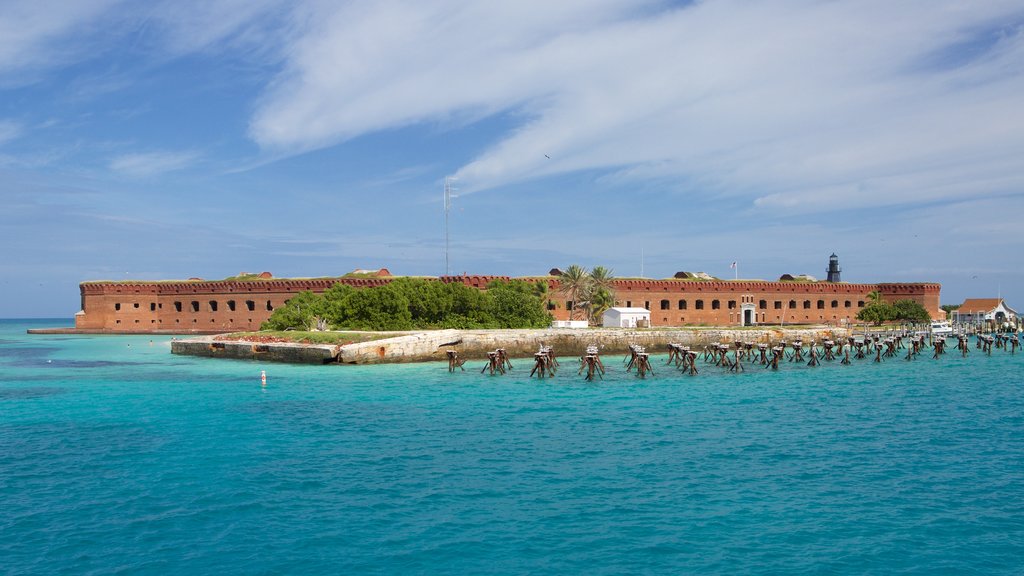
(117, 457)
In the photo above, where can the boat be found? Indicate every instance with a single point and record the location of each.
(941, 328)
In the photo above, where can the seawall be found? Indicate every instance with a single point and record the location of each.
(474, 344)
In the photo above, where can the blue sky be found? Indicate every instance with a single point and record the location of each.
(171, 139)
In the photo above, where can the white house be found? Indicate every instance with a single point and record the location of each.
(977, 310)
(626, 317)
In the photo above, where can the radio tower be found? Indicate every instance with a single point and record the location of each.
(448, 189)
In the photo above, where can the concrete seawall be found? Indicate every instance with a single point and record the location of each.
(474, 344)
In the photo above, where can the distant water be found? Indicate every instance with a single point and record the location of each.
(118, 458)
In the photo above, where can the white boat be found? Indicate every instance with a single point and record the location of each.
(941, 328)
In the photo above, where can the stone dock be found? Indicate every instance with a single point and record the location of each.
(432, 345)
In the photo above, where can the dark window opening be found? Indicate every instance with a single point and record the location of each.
(807, 304)
(177, 306)
(647, 304)
(250, 305)
(732, 304)
(117, 306)
(269, 305)
(682, 304)
(835, 303)
(666, 305)
(715, 304)
(136, 305)
(846, 304)
(569, 304)
(195, 306)
(152, 306)
(792, 304)
(551, 305)
(629, 303)
(778, 305)
(762, 304)
(231, 305)
(860, 303)
(213, 305)
(698, 304)
(821, 304)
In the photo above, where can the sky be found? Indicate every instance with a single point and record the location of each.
(179, 138)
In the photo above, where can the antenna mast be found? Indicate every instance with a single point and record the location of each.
(448, 188)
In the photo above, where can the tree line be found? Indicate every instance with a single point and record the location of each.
(414, 304)
(878, 311)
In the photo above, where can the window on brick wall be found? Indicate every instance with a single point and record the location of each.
(821, 304)
(647, 304)
(666, 305)
(807, 304)
(860, 303)
(762, 304)
(269, 305)
(213, 305)
(792, 304)
(846, 304)
(835, 303)
(195, 306)
(250, 305)
(698, 304)
(778, 305)
(152, 306)
(177, 306)
(231, 305)
(715, 304)
(117, 305)
(682, 304)
(732, 304)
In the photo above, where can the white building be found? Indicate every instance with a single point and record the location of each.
(978, 310)
(626, 318)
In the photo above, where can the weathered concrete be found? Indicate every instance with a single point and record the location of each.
(431, 346)
(270, 352)
(471, 344)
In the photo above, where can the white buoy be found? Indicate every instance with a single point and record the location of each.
(263, 378)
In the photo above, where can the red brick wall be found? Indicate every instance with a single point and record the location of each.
(149, 307)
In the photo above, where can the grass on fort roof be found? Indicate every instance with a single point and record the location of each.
(302, 337)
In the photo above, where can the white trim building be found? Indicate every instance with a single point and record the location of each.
(621, 317)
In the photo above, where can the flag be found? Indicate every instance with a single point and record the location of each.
(733, 265)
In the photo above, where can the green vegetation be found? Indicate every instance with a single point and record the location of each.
(949, 308)
(591, 291)
(878, 311)
(414, 303)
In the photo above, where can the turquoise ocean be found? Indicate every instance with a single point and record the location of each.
(117, 457)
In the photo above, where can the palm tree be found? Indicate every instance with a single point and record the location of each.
(575, 284)
(875, 297)
(602, 291)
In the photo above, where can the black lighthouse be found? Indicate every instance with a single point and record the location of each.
(833, 268)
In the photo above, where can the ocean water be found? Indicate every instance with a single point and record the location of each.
(117, 457)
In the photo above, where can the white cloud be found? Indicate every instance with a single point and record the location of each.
(152, 163)
(787, 103)
(35, 33)
(9, 130)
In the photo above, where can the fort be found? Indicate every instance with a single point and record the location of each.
(242, 304)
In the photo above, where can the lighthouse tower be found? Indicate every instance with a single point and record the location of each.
(833, 268)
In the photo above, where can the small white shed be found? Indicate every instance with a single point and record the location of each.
(626, 317)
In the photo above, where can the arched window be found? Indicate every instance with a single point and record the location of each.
(821, 304)
(835, 303)
(682, 304)
(807, 304)
(666, 305)
(715, 304)
(698, 304)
